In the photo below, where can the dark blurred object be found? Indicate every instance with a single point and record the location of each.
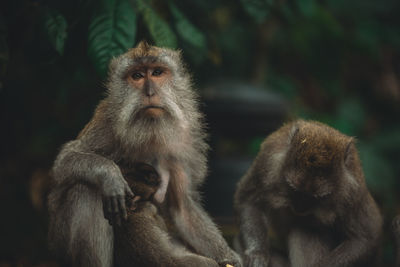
(241, 110)
(239, 116)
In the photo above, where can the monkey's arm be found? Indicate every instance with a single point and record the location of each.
(363, 229)
(253, 235)
(77, 164)
(200, 232)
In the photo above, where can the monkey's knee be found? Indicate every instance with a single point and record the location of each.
(79, 233)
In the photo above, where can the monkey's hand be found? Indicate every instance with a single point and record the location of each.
(115, 192)
(255, 259)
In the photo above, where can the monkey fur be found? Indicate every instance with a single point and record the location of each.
(150, 115)
(143, 240)
(307, 190)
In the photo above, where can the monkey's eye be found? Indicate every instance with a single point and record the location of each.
(137, 75)
(157, 72)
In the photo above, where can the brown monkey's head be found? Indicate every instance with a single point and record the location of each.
(316, 164)
(143, 179)
(150, 93)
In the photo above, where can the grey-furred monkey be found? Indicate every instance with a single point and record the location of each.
(307, 187)
(150, 115)
(143, 239)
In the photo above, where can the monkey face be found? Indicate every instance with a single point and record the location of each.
(151, 98)
(314, 166)
(149, 89)
(146, 80)
(149, 79)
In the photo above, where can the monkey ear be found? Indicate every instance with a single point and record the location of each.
(293, 132)
(349, 153)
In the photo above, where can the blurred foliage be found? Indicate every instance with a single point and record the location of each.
(335, 61)
(112, 31)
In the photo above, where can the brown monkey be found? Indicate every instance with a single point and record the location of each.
(150, 115)
(307, 186)
(143, 239)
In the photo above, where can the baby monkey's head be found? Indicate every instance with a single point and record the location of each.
(143, 179)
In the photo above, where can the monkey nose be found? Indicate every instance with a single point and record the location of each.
(149, 91)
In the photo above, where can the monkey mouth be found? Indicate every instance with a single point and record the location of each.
(153, 111)
(153, 106)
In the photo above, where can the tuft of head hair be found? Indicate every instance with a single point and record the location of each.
(317, 145)
(143, 49)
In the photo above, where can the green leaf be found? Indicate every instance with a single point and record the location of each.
(56, 30)
(258, 9)
(112, 31)
(307, 7)
(187, 30)
(159, 30)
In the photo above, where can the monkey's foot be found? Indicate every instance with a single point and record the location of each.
(229, 263)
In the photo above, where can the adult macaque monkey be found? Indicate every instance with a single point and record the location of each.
(307, 186)
(149, 115)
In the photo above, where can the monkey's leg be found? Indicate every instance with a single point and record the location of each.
(143, 240)
(198, 230)
(78, 228)
(306, 249)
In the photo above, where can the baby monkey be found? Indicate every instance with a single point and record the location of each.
(307, 187)
(143, 240)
